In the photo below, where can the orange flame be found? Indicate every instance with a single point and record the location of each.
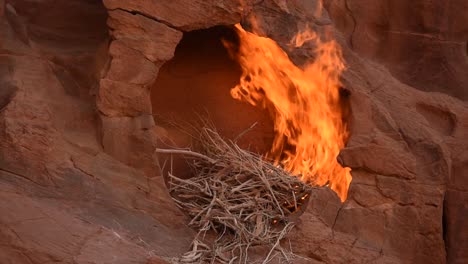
(304, 104)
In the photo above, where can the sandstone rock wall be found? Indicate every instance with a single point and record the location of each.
(422, 43)
(65, 195)
(79, 179)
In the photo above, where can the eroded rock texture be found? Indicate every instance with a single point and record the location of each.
(69, 192)
(422, 43)
(78, 177)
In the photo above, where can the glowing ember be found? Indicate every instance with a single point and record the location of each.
(304, 104)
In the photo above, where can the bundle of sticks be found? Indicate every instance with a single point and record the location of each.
(238, 196)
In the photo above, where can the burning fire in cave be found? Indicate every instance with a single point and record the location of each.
(229, 186)
(304, 105)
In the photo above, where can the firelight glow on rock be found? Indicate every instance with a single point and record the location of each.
(304, 104)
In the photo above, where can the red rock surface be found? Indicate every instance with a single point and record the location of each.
(422, 43)
(79, 181)
(70, 191)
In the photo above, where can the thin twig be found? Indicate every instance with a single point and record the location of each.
(185, 152)
(245, 132)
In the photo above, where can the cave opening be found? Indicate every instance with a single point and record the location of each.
(223, 188)
(197, 82)
(237, 78)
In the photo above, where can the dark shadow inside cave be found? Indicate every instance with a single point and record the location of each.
(197, 81)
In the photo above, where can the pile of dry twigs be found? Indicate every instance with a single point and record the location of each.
(236, 195)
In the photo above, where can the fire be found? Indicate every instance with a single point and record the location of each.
(304, 104)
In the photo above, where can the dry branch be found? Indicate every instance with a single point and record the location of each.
(235, 194)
